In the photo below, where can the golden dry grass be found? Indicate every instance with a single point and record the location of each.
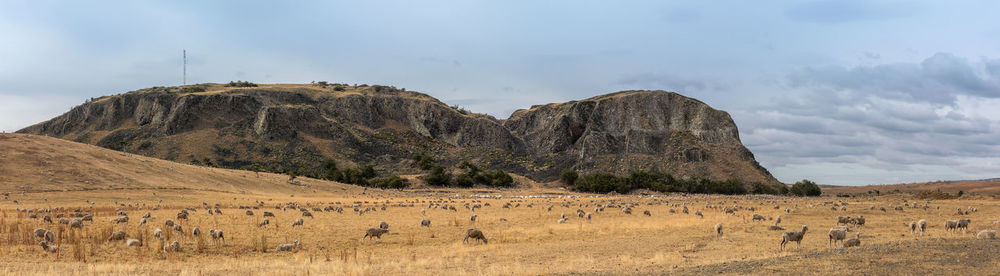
(43, 173)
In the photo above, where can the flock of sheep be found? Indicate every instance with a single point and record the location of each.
(76, 218)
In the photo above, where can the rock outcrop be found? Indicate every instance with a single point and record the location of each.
(280, 126)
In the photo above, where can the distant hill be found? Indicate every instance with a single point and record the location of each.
(978, 186)
(285, 127)
(30, 163)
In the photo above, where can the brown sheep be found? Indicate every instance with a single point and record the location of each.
(475, 234)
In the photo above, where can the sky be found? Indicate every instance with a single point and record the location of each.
(840, 92)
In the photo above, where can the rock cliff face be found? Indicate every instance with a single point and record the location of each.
(282, 126)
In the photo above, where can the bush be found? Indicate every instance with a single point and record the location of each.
(390, 182)
(568, 176)
(192, 89)
(600, 183)
(805, 188)
(424, 160)
(241, 84)
(438, 177)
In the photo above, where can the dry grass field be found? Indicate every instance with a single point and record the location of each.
(44, 173)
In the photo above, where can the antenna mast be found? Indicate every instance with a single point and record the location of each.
(185, 53)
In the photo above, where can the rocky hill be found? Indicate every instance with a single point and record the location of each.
(286, 127)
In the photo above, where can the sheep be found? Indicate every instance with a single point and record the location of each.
(775, 228)
(473, 218)
(264, 223)
(425, 223)
(48, 247)
(502, 219)
(76, 223)
(922, 225)
(383, 225)
(562, 220)
(964, 224)
(852, 242)
(951, 225)
(757, 217)
(588, 216)
(287, 246)
(298, 222)
(718, 229)
(182, 215)
(179, 229)
(843, 220)
(47, 219)
(913, 227)
(268, 214)
(118, 220)
(158, 234)
(147, 215)
(169, 223)
(647, 213)
(117, 236)
(133, 242)
(217, 234)
(196, 232)
(986, 235)
(249, 213)
(375, 233)
(793, 236)
(172, 247)
(40, 233)
(63, 221)
(698, 213)
(837, 234)
(475, 234)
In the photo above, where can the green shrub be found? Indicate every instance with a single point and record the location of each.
(568, 176)
(424, 160)
(805, 188)
(192, 89)
(438, 177)
(241, 84)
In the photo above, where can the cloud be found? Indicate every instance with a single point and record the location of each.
(841, 11)
(939, 78)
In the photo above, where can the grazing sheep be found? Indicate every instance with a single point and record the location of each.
(964, 224)
(777, 221)
(383, 225)
(169, 223)
(63, 221)
(119, 220)
(179, 229)
(588, 216)
(264, 223)
(40, 233)
(562, 220)
(287, 246)
(474, 234)
(48, 247)
(268, 214)
(503, 219)
(647, 213)
(913, 227)
(375, 233)
(698, 213)
(950, 225)
(158, 234)
(986, 235)
(425, 223)
(308, 214)
(843, 220)
(793, 236)
(473, 217)
(117, 236)
(852, 242)
(196, 232)
(47, 219)
(182, 215)
(133, 242)
(76, 223)
(922, 225)
(837, 234)
(147, 215)
(718, 229)
(298, 222)
(172, 247)
(217, 234)
(757, 217)
(249, 213)
(775, 228)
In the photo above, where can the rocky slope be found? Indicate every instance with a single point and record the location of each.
(276, 127)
